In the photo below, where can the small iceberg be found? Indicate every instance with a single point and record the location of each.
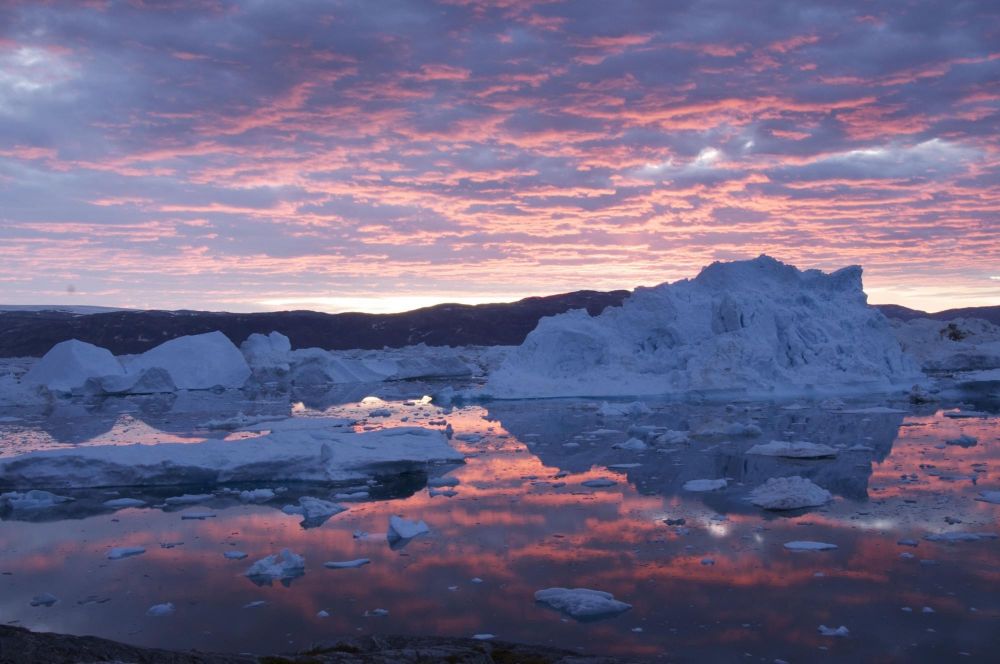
(347, 564)
(285, 567)
(789, 493)
(403, 530)
(582, 604)
(804, 545)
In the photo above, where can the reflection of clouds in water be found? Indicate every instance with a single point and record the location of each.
(512, 527)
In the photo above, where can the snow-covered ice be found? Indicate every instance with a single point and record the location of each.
(582, 604)
(69, 364)
(313, 455)
(789, 493)
(195, 362)
(756, 326)
(961, 344)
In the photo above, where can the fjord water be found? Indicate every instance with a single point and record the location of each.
(721, 585)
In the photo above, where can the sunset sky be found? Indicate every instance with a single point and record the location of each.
(382, 155)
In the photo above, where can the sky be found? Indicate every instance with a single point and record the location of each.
(355, 155)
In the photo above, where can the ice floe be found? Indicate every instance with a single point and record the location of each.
(119, 552)
(347, 564)
(160, 610)
(957, 536)
(401, 529)
(582, 604)
(747, 326)
(793, 450)
(314, 511)
(284, 566)
(789, 493)
(313, 455)
(31, 500)
(45, 599)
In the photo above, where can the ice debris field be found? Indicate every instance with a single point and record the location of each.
(752, 461)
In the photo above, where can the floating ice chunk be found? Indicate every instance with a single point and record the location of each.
(610, 410)
(623, 466)
(234, 555)
(347, 564)
(483, 637)
(599, 483)
(69, 364)
(255, 604)
(299, 424)
(121, 503)
(708, 561)
(189, 499)
(35, 499)
(402, 530)
(469, 437)
(670, 437)
(959, 537)
(705, 485)
(633, 444)
(315, 455)
(789, 493)
(793, 450)
(380, 412)
(962, 441)
(323, 614)
(267, 354)
(257, 495)
(804, 545)
(160, 610)
(582, 604)
(378, 613)
(834, 631)
(196, 362)
(119, 552)
(45, 599)
(989, 497)
(314, 511)
(447, 493)
(443, 481)
(284, 566)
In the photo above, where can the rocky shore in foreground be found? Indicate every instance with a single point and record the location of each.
(22, 646)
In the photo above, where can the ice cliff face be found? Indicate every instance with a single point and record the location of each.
(756, 326)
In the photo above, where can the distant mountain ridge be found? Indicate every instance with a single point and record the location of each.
(32, 331)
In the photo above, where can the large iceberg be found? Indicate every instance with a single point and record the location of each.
(69, 364)
(318, 455)
(963, 344)
(756, 326)
(196, 362)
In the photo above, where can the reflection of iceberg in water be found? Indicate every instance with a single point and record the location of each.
(547, 427)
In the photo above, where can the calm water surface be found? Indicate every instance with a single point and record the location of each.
(721, 586)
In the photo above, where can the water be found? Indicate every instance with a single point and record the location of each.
(721, 585)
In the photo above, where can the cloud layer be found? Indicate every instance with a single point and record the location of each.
(256, 154)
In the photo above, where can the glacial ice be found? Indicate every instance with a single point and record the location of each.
(705, 485)
(582, 604)
(195, 362)
(962, 344)
(317, 455)
(789, 493)
(160, 610)
(314, 511)
(68, 365)
(283, 566)
(756, 326)
(267, 354)
(31, 500)
(401, 530)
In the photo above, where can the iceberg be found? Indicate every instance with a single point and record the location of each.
(402, 530)
(749, 327)
(195, 362)
(69, 364)
(284, 567)
(315, 511)
(789, 493)
(267, 354)
(582, 604)
(318, 455)
(962, 344)
(31, 500)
